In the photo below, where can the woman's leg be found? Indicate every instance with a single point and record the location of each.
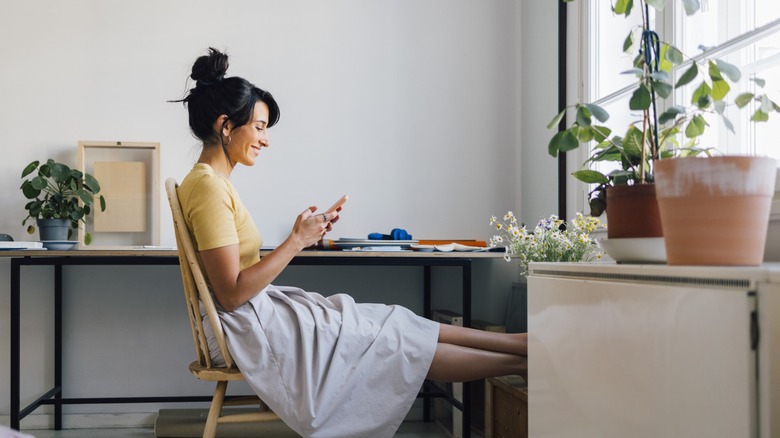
(465, 354)
(455, 363)
(513, 343)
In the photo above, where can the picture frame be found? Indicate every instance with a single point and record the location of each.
(129, 178)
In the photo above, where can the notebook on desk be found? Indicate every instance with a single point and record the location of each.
(20, 245)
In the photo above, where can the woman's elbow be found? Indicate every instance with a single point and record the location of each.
(228, 302)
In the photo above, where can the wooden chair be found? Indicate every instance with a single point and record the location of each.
(196, 291)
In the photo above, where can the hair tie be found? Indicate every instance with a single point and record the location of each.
(211, 81)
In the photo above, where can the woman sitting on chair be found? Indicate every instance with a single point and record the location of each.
(329, 367)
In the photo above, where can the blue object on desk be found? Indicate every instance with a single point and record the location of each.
(395, 234)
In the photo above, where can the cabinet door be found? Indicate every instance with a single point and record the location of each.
(614, 359)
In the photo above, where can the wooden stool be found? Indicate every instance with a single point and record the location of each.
(506, 407)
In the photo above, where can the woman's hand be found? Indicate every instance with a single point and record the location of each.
(309, 228)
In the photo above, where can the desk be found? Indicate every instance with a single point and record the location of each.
(104, 257)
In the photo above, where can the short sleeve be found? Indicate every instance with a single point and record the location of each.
(211, 213)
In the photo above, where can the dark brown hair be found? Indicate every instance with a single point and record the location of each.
(214, 95)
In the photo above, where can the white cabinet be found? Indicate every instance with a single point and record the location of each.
(653, 351)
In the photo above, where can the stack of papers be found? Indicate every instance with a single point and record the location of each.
(448, 247)
(374, 245)
(20, 245)
(377, 248)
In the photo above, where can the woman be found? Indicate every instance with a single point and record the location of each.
(327, 366)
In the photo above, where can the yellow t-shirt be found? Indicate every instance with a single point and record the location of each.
(216, 216)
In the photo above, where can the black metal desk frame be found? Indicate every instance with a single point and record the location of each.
(55, 395)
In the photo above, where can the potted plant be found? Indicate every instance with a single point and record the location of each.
(60, 197)
(651, 137)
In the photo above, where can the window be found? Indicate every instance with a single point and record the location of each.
(745, 33)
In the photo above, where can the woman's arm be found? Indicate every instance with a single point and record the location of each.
(233, 287)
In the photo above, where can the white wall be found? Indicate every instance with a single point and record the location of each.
(412, 108)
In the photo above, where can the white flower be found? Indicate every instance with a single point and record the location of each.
(547, 242)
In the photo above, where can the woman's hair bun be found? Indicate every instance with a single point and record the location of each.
(210, 69)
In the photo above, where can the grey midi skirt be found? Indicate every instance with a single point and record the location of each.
(330, 367)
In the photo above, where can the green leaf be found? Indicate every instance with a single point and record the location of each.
(601, 133)
(568, 141)
(59, 172)
(555, 144)
(583, 116)
(674, 55)
(760, 82)
(590, 176)
(29, 190)
(598, 112)
(91, 183)
(39, 183)
(720, 106)
(695, 127)
(30, 168)
(628, 43)
(759, 116)
(727, 122)
(714, 72)
(563, 141)
(730, 70)
(632, 143)
(87, 238)
(689, 75)
(556, 120)
(86, 198)
(766, 104)
(638, 72)
(623, 7)
(743, 99)
(102, 203)
(662, 88)
(640, 100)
(671, 113)
(691, 6)
(702, 96)
(585, 134)
(660, 76)
(720, 89)
(666, 64)
(610, 154)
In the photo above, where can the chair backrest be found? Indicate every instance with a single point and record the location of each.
(195, 288)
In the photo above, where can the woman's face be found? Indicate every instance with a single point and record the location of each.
(247, 140)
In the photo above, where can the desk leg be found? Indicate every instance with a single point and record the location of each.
(58, 346)
(467, 323)
(427, 314)
(15, 349)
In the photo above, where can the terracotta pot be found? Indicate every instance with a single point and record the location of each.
(715, 210)
(632, 211)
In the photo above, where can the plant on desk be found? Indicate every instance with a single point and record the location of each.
(552, 240)
(59, 193)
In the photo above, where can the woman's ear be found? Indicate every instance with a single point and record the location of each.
(223, 125)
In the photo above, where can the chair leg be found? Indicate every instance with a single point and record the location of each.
(215, 410)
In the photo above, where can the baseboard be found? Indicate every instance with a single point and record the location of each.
(87, 421)
(126, 419)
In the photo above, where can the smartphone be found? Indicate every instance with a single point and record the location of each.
(338, 204)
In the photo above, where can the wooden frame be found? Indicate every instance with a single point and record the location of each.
(129, 177)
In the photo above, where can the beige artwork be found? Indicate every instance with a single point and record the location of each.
(123, 184)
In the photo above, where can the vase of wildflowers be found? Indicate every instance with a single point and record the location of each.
(551, 240)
